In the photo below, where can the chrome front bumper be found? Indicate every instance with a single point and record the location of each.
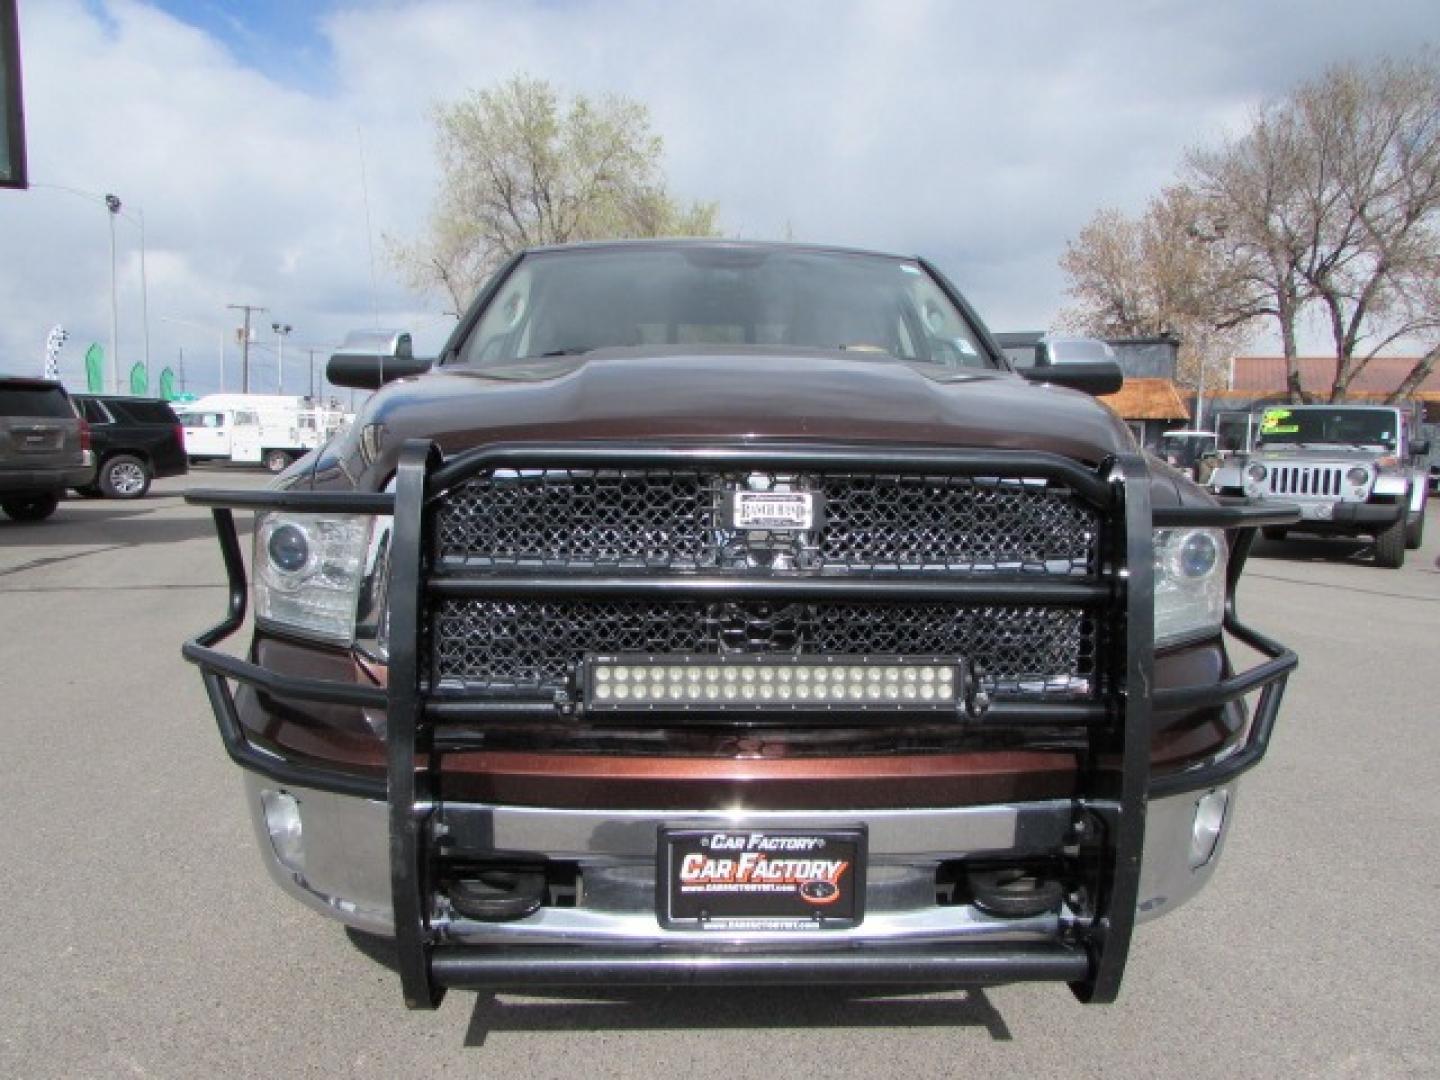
(343, 868)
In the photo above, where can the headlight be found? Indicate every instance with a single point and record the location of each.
(1256, 472)
(308, 572)
(1358, 476)
(1189, 583)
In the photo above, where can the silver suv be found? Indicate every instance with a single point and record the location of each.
(1354, 470)
(44, 447)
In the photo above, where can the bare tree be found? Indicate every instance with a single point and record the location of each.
(1250, 216)
(519, 168)
(1333, 198)
(1151, 275)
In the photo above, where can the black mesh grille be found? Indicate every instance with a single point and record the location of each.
(531, 647)
(676, 520)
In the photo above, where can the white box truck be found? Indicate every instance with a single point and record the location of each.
(257, 429)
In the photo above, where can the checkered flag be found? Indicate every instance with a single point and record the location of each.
(53, 344)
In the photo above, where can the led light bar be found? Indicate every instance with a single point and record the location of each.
(772, 683)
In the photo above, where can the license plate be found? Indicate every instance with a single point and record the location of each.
(773, 510)
(754, 879)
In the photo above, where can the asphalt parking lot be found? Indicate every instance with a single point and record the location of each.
(140, 935)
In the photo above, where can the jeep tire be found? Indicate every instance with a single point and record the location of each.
(123, 476)
(31, 507)
(1415, 531)
(1390, 546)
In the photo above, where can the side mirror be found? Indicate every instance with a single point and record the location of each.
(1420, 448)
(370, 358)
(1092, 376)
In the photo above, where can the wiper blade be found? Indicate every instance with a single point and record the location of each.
(569, 350)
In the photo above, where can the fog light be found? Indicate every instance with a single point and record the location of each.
(1209, 820)
(282, 822)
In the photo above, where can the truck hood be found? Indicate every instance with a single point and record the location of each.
(714, 395)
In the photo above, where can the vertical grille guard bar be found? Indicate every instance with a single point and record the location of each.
(409, 793)
(1127, 780)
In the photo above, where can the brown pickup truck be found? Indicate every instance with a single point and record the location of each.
(734, 613)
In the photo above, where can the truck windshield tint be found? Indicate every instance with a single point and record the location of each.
(1347, 427)
(38, 401)
(568, 303)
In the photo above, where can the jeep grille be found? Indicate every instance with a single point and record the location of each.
(1316, 480)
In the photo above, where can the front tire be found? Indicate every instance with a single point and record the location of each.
(31, 507)
(124, 476)
(277, 461)
(1390, 546)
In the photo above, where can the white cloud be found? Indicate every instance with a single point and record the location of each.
(981, 135)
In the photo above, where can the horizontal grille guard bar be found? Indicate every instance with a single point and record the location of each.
(478, 967)
(1230, 514)
(299, 502)
(851, 587)
(1004, 464)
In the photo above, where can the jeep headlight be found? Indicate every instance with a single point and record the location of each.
(1189, 583)
(308, 570)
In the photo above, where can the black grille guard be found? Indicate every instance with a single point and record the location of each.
(1116, 768)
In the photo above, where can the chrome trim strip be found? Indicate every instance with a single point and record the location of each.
(581, 926)
(894, 835)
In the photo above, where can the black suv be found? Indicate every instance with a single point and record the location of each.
(44, 447)
(135, 440)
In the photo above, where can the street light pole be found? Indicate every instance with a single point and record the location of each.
(282, 331)
(144, 291)
(112, 205)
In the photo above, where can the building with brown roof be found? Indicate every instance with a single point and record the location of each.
(1265, 375)
(1150, 407)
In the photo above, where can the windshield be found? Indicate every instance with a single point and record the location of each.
(569, 302)
(1345, 427)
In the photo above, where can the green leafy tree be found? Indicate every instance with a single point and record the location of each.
(520, 168)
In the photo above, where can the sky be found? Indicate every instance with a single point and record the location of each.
(245, 137)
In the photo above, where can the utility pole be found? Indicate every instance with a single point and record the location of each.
(249, 310)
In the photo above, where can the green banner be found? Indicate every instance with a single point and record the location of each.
(167, 384)
(95, 369)
(139, 380)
